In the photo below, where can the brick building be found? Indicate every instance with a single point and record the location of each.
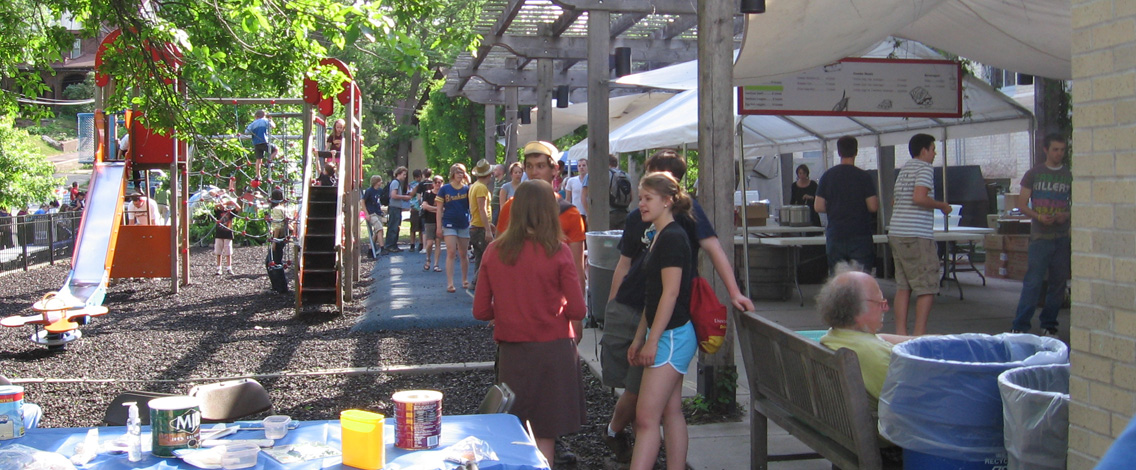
(1103, 333)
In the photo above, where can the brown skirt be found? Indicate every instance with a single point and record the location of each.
(546, 378)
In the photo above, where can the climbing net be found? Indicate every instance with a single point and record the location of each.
(231, 173)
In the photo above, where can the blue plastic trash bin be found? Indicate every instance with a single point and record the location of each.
(940, 401)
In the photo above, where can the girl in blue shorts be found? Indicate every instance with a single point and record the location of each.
(665, 342)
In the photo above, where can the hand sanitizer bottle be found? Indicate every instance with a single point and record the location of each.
(133, 433)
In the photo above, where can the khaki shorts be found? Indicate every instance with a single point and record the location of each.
(376, 222)
(223, 246)
(916, 265)
(620, 323)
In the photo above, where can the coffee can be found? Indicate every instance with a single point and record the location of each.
(11, 411)
(175, 423)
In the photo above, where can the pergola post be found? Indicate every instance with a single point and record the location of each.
(490, 133)
(511, 131)
(544, 99)
(716, 170)
(599, 45)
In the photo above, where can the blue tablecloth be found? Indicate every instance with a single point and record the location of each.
(503, 432)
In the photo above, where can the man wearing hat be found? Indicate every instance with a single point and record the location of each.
(141, 210)
(480, 220)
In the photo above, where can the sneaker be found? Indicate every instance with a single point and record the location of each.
(422, 252)
(230, 271)
(1049, 332)
(218, 270)
(394, 249)
(1018, 331)
(620, 444)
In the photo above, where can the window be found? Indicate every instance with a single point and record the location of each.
(76, 48)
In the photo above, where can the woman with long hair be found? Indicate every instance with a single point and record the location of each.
(516, 170)
(429, 191)
(803, 192)
(453, 224)
(528, 286)
(664, 342)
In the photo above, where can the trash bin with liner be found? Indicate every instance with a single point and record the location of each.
(1035, 409)
(603, 255)
(940, 401)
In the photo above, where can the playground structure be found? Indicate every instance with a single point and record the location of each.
(324, 244)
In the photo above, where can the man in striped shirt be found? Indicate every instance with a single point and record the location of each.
(911, 235)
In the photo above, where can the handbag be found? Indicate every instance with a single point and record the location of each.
(708, 316)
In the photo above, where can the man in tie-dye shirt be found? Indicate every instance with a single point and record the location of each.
(1049, 189)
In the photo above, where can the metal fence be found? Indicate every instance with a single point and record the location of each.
(29, 240)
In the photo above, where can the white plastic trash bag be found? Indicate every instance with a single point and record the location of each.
(941, 393)
(1035, 409)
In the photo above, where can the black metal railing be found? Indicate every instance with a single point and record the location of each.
(28, 240)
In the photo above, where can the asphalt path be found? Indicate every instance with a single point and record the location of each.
(405, 296)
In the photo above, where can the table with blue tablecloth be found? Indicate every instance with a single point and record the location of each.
(503, 432)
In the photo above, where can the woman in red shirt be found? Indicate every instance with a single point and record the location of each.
(528, 286)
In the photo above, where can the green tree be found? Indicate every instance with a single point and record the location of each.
(27, 174)
(450, 129)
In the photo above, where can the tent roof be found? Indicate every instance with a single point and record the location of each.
(1031, 37)
(621, 110)
(675, 122)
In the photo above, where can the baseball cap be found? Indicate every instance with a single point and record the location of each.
(540, 147)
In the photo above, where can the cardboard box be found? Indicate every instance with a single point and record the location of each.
(756, 214)
(1006, 243)
(993, 243)
(1006, 265)
(1016, 243)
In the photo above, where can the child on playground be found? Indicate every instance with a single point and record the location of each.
(224, 212)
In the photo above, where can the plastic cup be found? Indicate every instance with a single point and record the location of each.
(276, 426)
(239, 456)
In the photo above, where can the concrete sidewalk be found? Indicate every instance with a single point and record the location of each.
(986, 309)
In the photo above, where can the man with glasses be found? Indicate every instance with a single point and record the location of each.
(853, 306)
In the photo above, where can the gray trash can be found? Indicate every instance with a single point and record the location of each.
(940, 401)
(603, 255)
(1035, 409)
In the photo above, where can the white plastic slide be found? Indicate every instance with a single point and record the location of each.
(89, 272)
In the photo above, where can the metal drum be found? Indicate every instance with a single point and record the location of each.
(796, 216)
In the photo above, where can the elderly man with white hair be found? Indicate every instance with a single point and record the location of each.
(853, 306)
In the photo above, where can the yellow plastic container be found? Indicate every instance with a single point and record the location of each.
(362, 440)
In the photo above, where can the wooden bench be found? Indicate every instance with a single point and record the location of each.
(815, 394)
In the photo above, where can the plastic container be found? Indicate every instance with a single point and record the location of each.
(362, 439)
(276, 426)
(941, 399)
(1035, 409)
(603, 255)
(239, 456)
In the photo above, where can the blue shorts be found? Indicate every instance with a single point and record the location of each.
(677, 347)
(455, 232)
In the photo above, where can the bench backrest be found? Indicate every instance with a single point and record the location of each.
(815, 394)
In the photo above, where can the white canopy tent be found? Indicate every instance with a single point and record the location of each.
(1033, 36)
(675, 122)
(621, 110)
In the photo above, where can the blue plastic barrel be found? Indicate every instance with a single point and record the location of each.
(940, 401)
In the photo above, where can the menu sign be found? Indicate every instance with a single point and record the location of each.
(862, 87)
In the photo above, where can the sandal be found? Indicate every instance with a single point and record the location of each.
(437, 269)
(426, 267)
(465, 284)
(451, 289)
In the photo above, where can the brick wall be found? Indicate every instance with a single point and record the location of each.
(1103, 331)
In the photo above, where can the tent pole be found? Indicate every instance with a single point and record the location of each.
(744, 219)
(946, 220)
